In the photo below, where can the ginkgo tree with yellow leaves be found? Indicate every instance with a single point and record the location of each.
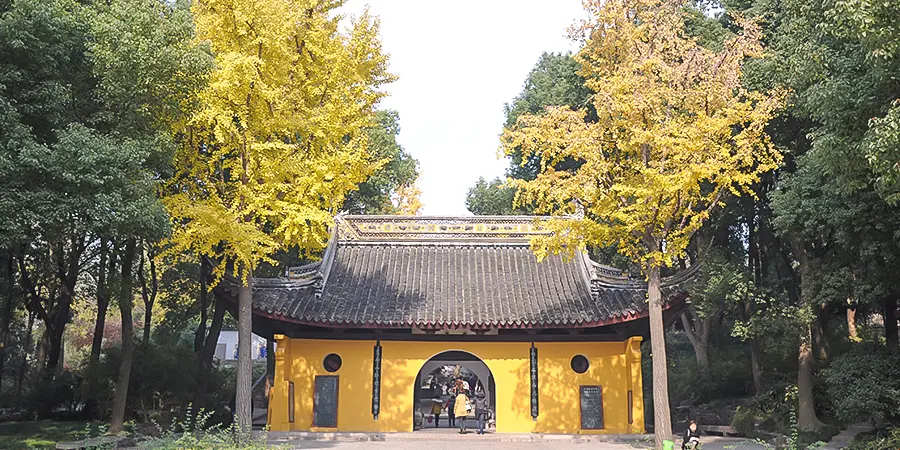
(277, 141)
(675, 133)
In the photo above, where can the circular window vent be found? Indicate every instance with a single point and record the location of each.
(580, 364)
(332, 362)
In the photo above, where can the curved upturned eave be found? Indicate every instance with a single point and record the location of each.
(674, 301)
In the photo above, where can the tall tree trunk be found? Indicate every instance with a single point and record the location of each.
(87, 391)
(245, 362)
(890, 320)
(148, 293)
(68, 268)
(8, 307)
(102, 304)
(200, 334)
(207, 353)
(755, 263)
(126, 303)
(806, 412)
(806, 409)
(23, 368)
(662, 419)
(697, 331)
(820, 340)
(40, 357)
(54, 345)
(852, 333)
(755, 367)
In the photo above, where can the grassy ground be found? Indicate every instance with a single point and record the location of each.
(43, 434)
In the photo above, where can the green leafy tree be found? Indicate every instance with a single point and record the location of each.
(149, 69)
(378, 194)
(554, 81)
(674, 132)
(277, 141)
(492, 198)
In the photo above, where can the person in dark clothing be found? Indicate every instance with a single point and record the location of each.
(481, 412)
(451, 417)
(691, 437)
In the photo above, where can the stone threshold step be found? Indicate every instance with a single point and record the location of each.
(287, 437)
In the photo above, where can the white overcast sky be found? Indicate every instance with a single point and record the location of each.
(458, 63)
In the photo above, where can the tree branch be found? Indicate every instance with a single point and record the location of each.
(29, 287)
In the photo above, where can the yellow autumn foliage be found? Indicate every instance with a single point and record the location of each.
(277, 138)
(408, 200)
(675, 132)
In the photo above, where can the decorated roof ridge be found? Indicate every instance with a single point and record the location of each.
(461, 229)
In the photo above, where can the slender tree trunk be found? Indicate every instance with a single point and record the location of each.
(7, 312)
(54, 342)
(754, 261)
(245, 361)
(126, 303)
(68, 268)
(200, 334)
(820, 340)
(8, 307)
(102, 305)
(852, 333)
(206, 355)
(806, 410)
(890, 320)
(148, 293)
(696, 329)
(87, 392)
(755, 368)
(41, 355)
(23, 368)
(662, 419)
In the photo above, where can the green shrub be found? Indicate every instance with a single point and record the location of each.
(198, 435)
(865, 385)
(878, 440)
(164, 378)
(743, 420)
(54, 397)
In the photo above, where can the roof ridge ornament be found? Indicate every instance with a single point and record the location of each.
(389, 228)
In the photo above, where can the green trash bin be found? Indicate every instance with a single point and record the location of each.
(668, 445)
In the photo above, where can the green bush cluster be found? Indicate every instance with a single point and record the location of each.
(864, 385)
(880, 440)
(164, 378)
(198, 434)
(57, 397)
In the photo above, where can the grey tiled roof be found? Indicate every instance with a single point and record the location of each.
(444, 272)
(448, 286)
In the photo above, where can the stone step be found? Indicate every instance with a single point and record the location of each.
(276, 438)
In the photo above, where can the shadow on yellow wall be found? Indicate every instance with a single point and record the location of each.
(612, 366)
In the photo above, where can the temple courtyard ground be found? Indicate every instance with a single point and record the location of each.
(472, 442)
(447, 439)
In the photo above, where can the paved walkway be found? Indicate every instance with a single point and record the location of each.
(420, 440)
(443, 438)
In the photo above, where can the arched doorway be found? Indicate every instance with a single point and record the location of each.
(436, 375)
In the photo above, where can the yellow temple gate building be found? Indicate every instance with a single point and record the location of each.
(365, 336)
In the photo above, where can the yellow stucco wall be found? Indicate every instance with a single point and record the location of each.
(613, 365)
